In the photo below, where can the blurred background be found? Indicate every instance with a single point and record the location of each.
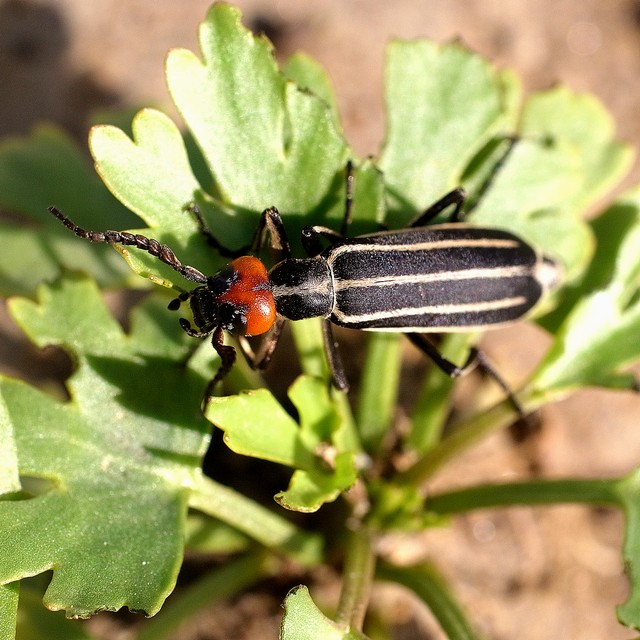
(523, 573)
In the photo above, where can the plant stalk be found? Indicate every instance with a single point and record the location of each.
(357, 577)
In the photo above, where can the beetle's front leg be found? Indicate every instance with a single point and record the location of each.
(227, 358)
(260, 358)
(334, 360)
(271, 222)
(212, 241)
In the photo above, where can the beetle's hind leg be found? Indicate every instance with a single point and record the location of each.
(476, 360)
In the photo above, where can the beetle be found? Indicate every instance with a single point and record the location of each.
(422, 279)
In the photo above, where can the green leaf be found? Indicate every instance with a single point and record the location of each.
(449, 112)
(443, 103)
(303, 620)
(288, 153)
(117, 460)
(42, 169)
(8, 609)
(565, 159)
(28, 258)
(266, 142)
(46, 168)
(629, 492)
(152, 175)
(255, 424)
(37, 623)
(310, 489)
(309, 75)
(9, 474)
(598, 336)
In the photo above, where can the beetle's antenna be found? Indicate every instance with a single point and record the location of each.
(511, 141)
(151, 246)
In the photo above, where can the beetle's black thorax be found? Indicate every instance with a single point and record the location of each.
(302, 288)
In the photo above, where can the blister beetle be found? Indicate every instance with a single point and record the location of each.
(421, 279)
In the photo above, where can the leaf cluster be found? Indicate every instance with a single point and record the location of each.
(104, 488)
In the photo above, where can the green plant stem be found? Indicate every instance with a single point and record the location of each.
(307, 336)
(357, 575)
(433, 403)
(603, 492)
(471, 430)
(224, 582)
(466, 433)
(259, 523)
(427, 584)
(378, 388)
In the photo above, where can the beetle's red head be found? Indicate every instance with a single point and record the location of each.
(245, 304)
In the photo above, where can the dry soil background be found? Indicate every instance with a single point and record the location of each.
(524, 573)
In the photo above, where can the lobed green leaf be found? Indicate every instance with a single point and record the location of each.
(113, 464)
(42, 169)
(598, 324)
(255, 424)
(265, 141)
(303, 620)
(443, 103)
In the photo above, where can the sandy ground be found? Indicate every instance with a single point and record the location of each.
(524, 573)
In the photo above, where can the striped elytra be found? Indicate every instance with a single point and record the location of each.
(450, 277)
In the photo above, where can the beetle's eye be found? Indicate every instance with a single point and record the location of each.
(222, 280)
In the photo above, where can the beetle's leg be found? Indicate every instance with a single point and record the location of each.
(455, 197)
(495, 170)
(227, 358)
(194, 210)
(271, 222)
(310, 238)
(333, 358)
(260, 358)
(486, 365)
(476, 359)
(190, 331)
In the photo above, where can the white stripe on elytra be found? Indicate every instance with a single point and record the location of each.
(440, 276)
(443, 309)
